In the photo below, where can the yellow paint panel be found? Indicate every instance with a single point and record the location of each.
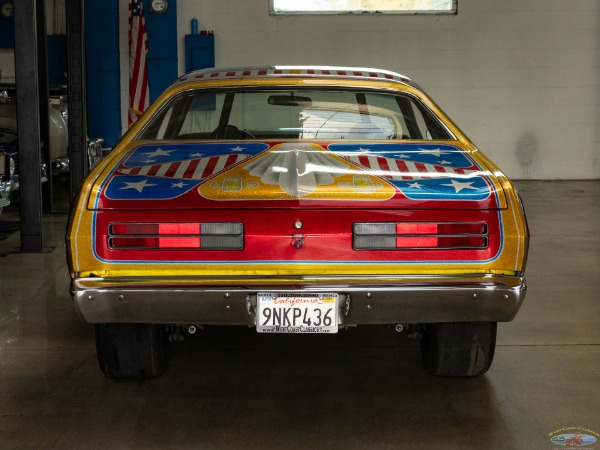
(265, 178)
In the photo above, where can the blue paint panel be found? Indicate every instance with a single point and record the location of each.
(162, 154)
(473, 188)
(199, 51)
(103, 71)
(162, 48)
(134, 187)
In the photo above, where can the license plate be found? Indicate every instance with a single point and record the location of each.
(297, 313)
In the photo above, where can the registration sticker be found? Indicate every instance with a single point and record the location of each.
(297, 313)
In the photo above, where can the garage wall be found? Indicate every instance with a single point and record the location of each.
(520, 77)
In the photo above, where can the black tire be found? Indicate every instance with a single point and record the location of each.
(458, 349)
(132, 351)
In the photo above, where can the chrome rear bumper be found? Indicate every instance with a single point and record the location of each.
(371, 300)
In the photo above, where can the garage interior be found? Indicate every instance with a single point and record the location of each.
(521, 78)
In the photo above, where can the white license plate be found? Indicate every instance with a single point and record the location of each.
(297, 313)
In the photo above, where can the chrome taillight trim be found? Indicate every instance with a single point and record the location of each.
(388, 237)
(225, 236)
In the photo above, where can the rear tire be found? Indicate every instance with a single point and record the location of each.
(131, 350)
(458, 349)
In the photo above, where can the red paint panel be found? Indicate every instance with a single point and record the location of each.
(328, 235)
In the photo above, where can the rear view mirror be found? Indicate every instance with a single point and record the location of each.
(290, 100)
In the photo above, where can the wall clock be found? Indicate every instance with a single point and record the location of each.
(158, 6)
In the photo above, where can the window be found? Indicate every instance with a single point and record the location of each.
(363, 6)
(296, 113)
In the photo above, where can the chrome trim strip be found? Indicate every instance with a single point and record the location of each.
(374, 299)
(336, 72)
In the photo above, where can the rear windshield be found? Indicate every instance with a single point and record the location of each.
(294, 114)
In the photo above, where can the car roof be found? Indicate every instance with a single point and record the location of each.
(294, 72)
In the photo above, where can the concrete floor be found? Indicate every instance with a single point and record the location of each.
(365, 388)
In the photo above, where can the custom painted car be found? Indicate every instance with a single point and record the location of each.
(296, 200)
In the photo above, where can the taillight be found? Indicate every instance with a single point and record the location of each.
(182, 236)
(420, 235)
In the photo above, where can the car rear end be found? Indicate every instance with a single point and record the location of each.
(304, 227)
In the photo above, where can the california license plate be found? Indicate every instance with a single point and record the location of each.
(297, 313)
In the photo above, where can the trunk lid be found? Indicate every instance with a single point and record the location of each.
(296, 175)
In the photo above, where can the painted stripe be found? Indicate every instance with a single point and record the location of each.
(145, 170)
(421, 167)
(392, 165)
(221, 162)
(383, 164)
(182, 168)
(197, 175)
(189, 171)
(373, 162)
(163, 170)
(172, 169)
(154, 170)
(209, 170)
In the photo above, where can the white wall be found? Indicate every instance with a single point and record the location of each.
(520, 77)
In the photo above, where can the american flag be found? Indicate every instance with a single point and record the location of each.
(138, 72)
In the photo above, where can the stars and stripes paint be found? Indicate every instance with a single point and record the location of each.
(258, 171)
(167, 171)
(421, 171)
(189, 169)
(139, 98)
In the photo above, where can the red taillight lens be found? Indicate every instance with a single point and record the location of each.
(178, 228)
(416, 235)
(419, 235)
(133, 228)
(183, 236)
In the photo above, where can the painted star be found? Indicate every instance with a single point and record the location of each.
(364, 150)
(415, 185)
(237, 148)
(178, 185)
(436, 151)
(460, 186)
(402, 155)
(139, 186)
(444, 162)
(150, 160)
(196, 155)
(159, 152)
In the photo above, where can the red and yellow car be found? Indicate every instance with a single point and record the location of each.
(296, 200)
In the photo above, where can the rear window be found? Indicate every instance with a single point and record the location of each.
(294, 114)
